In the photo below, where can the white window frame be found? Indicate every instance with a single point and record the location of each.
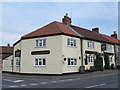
(71, 42)
(38, 62)
(108, 47)
(17, 61)
(117, 49)
(110, 59)
(73, 62)
(90, 44)
(40, 43)
(90, 60)
(0, 54)
(11, 63)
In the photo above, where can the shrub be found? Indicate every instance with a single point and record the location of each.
(92, 68)
(112, 66)
(98, 62)
(106, 59)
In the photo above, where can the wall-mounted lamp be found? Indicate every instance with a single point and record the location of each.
(64, 59)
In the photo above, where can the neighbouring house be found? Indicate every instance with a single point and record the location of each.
(59, 48)
(5, 52)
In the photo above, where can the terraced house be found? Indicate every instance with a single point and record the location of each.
(60, 48)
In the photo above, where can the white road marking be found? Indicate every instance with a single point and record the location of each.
(7, 80)
(33, 84)
(70, 79)
(18, 81)
(13, 81)
(13, 86)
(78, 78)
(61, 80)
(92, 86)
(23, 85)
(53, 81)
(102, 84)
(3, 85)
(43, 83)
(96, 85)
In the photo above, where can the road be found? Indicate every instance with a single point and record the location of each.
(104, 81)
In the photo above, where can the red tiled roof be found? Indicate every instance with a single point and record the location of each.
(6, 51)
(90, 34)
(52, 28)
(57, 28)
(112, 39)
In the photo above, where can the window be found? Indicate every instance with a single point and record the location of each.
(90, 44)
(91, 59)
(11, 62)
(110, 59)
(41, 43)
(71, 42)
(0, 54)
(72, 61)
(109, 48)
(117, 49)
(17, 61)
(40, 62)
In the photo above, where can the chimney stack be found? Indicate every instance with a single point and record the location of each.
(114, 35)
(8, 45)
(95, 30)
(66, 20)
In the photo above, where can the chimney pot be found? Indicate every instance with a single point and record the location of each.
(66, 20)
(95, 29)
(114, 34)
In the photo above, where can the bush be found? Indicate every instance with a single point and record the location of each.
(98, 62)
(92, 68)
(112, 66)
(107, 63)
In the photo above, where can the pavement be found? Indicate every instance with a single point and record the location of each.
(68, 76)
(99, 79)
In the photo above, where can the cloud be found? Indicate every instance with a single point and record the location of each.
(22, 18)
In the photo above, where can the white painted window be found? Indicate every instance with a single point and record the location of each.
(11, 63)
(117, 49)
(90, 44)
(71, 42)
(40, 62)
(0, 54)
(108, 47)
(110, 59)
(72, 61)
(41, 43)
(91, 60)
(17, 61)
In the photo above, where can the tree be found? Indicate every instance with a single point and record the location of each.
(106, 59)
(98, 62)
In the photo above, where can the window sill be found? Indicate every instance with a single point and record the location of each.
(40, 66)
(17, 66)
(91, 48)
(72, 46)
(72, 65)
(41, 47)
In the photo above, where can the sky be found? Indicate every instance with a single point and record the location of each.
(20, 18)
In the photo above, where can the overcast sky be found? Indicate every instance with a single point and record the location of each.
(21, 18)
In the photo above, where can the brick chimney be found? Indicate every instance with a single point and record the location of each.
(66, 20)
(8, 45)
(95, 30)
(114, 35)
